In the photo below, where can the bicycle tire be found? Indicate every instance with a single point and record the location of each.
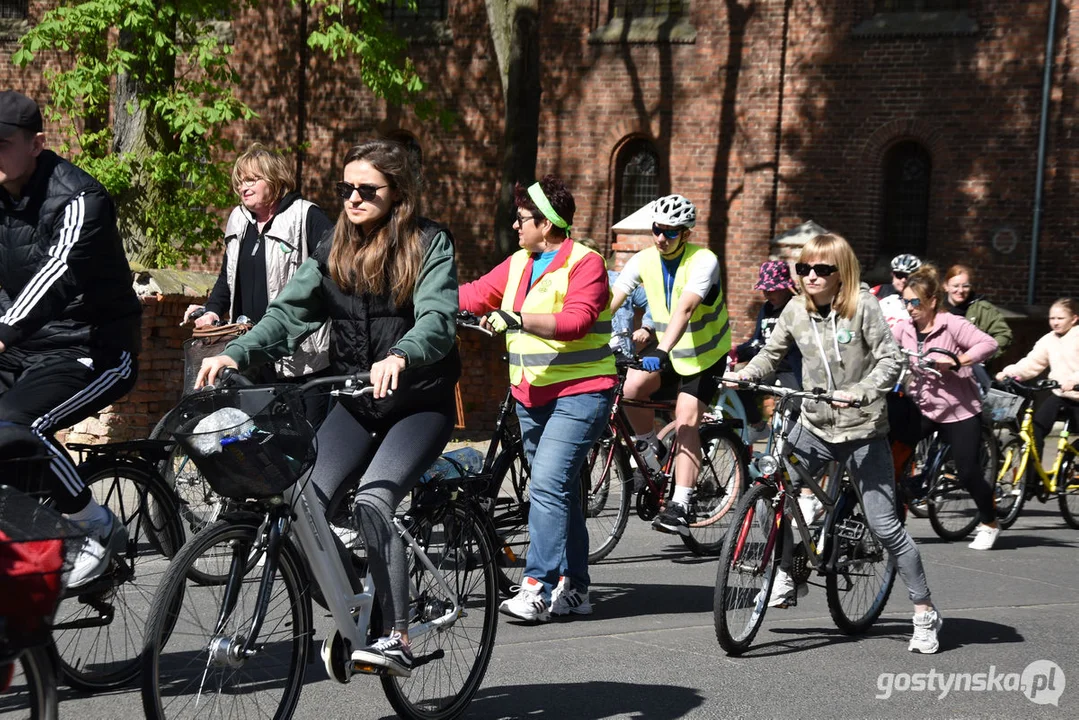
(724, 473)
(32, 688)
(916, 465)
(952, 511)
(105, 657)
(456, 542)
(606, 489)
(1010, 488)
(747, 569)
(1068, 486)
(176, 662)
(862, 572)
(199, 505)
(510, 537)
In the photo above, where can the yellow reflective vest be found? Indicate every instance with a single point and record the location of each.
(708, 335)
(546, 362)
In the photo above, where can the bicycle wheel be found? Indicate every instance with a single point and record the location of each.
(198, 504)
(916, 468)
(1011, 485)
(31, 694)
(509, 518)
(191, 670)
(1068, 484)
(722, 476)
(861, 572)
(747, 566)
(449, 663)
(98, 634)
(606, 487)
(952, 511)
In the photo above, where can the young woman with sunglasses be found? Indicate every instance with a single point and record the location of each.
(386, 284)
(848, 350)
(949, 403)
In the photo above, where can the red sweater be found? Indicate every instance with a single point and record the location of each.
(587, 295)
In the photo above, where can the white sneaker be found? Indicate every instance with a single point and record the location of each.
(528, 604)
(103, 538)
(349, 537)
(784, 594)
(985, 537)
(811, 507)
(565, 600)
(926, 626)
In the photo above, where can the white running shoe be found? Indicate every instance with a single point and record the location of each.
(528, 604)
(926, 626)
(985, 537)
(811, 507)
(566, 600)
(103, 538)
(784, 594)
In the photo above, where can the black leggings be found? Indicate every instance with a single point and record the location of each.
(390, 460)
(965, 439)
(1044, 417)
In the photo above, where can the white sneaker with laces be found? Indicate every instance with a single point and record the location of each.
(784, 594)
(528, 604)
(926, 626)
(811, 507)
(565, 600)
(103, 538)
(985, 537)
(349, 538)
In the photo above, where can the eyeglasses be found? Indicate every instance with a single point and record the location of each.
(899, 275)
(671, 234)
(912, 302)
(522, 219)
(367, 191)
(959, 287)
(822, 269)
(247, 182)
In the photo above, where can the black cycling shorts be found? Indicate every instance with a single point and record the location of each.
(704, 385)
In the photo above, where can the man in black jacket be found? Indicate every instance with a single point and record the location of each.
(69, 318)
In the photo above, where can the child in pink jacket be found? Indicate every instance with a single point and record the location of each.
(950, 403)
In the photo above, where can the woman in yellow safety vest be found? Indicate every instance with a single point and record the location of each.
(550, 298)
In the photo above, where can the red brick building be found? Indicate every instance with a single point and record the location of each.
(906, 125)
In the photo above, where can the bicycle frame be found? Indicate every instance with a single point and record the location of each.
(1030, 453)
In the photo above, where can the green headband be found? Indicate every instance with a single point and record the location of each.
(536, 193)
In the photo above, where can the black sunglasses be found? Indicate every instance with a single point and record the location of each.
(912, 302)
(671, 234)
(823, 270)
(522, 219)
(900, 275)
(367, 191)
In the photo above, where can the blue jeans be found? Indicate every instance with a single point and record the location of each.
(557, 437)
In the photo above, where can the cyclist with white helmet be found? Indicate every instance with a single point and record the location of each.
(681, 281)
(890, 295)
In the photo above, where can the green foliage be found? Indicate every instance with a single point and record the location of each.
(161, 62)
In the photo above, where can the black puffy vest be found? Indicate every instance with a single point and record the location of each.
(363, 328)
(107, 313)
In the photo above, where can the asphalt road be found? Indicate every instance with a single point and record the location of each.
(649, 651)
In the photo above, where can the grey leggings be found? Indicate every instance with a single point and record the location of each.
(870, 465)
(391, 460)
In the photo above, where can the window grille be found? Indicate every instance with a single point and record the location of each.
(637, 177)
(14, 9)
(396, 10)
(892, 6)
(907, 171)
(648, 8)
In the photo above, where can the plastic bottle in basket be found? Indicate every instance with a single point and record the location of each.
(454, 464)
(210, 432)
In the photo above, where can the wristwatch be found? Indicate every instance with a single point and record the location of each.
(398, 352)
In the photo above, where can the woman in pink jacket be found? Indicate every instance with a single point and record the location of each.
(950, 403)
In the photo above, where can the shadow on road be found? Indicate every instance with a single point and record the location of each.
(802, 639)
(959, 632)
(584, 701)
(624, 601)
(1010, 541)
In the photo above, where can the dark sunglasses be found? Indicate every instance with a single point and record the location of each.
(671, 234)
(367, 192)
(912, 302)
(900, 275)
(522, 219)
(823, 270)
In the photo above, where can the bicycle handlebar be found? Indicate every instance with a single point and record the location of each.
(1024, 388)
(924, 357)
(786, 394)
(471, 321)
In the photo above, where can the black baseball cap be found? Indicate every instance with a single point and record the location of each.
(18, 112)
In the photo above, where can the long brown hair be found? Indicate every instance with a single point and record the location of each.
(391, 258)
(835, 250)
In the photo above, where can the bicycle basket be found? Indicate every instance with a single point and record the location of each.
(249, 442)
(209, 342)
(37, 549)
(1001, 407)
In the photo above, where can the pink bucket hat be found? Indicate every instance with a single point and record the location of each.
(775, 275)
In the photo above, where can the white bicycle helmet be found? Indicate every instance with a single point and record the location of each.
(905, 263)
(674, 211)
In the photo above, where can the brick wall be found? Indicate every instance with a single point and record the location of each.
(775, 113)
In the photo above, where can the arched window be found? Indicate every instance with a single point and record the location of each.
(637, 177)
(907, 170)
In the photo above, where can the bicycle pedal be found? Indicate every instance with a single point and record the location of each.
(368, 669)
(850, 530)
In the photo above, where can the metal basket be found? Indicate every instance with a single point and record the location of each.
(37, 550)
(259, 453)
(1001, 407)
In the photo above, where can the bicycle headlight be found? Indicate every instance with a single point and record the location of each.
(767, 465)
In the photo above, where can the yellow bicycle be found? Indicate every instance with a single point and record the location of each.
(1019, 453)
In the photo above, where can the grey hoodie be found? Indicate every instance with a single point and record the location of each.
(860, 357)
